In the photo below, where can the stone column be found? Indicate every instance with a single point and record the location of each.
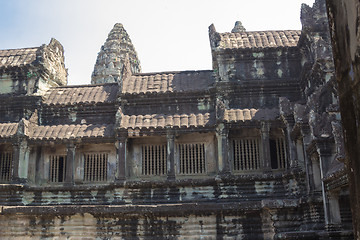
(325, 148)
(20, 161)
(334, 208)
(15, 162)
(121, 152)
(306, 139)
(291, 144)
(315, 172)
(23, 164)
(70, 158)
(222, 135)
(265, 143)
(300, 153)
(170, 159)
(268, 224)
(38, 164)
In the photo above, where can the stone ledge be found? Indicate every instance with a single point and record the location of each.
(172, 209)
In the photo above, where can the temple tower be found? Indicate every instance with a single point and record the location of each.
(111, 58)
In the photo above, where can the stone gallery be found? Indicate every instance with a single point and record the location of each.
(251, 149)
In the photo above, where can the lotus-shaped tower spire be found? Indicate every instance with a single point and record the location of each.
(111, 58)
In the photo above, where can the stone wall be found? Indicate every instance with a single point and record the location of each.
(344, 19)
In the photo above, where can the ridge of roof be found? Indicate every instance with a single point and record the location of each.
(256, 31)
(136, 74)
(26, 48)
(171, 72)
(71, 131)
(180, 120)
(182, 81)
(83, 85)
(256, 39)
(98, 93)
(18, 57)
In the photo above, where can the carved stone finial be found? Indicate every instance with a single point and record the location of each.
(214, 37)
(314, 18)
(238, 27)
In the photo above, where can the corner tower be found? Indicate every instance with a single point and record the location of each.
(112, 56)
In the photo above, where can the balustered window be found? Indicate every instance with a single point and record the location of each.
(246, 154)
(6, 159)
(95, 167)
(192, 158)
(278, 153)
(154, 159)
(57, 168)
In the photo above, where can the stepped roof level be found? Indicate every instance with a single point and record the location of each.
(111, 58)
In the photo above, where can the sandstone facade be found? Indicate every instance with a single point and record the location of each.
(251, 149)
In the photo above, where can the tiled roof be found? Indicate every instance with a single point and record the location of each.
(59, 132)
(241, 115)
(8, 129)
(260, 39)
(17, 57)
(168, 82)
(161, 121)
(81, 94)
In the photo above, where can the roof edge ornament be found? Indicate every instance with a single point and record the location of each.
(238, 28)
(214, 37)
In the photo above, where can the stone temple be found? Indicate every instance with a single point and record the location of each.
(251, 149)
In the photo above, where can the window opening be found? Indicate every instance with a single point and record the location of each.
(154, 159)
(6, 159)
(192, 158)
(278, 153)
(95, 167)
(246, 154)
(57, 168)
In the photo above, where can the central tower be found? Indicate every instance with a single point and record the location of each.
(112, 56)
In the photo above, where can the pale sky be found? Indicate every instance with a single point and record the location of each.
(168, 35)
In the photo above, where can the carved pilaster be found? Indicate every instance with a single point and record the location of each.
(70, 158)
(265, 143)
(222, 135)
(303, 141)
(170, 137)
(121, 153)
(15, 162)
(20, 161)
(23, 165)
(334, 208)
(291, 144)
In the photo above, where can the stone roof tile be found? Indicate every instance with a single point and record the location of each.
(259, 39)
(335, 167)
(168, 82)
(8, 129)
(81, 94)
(17, 57)
(162, 121)
(242, 115)
(60, 132)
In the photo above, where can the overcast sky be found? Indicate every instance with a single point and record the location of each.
(168, 35)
